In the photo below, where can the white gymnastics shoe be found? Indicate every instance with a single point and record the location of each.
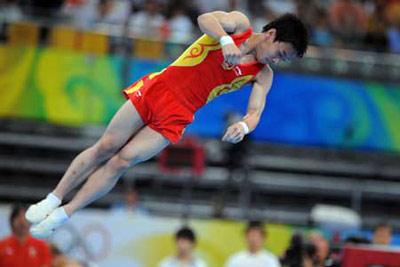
(46, 228)
(39, 211)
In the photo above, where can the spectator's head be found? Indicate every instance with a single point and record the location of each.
(61, 260)
(285, 38)
(151, 7)
(185, 241)
(310, 258)
(178, 11)
(58, 258)
(19, 225)
(321, 18)
(176, 8)
(255, 236)
(321, 244)
(382, 234)
(299, 253)
(105, 7)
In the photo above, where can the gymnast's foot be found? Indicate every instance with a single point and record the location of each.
(39, 211)
(47, 227)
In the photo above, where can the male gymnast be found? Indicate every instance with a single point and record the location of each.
(160, 105)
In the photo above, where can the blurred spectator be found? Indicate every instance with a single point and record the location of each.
(137, 5)
(279, 7)
(255, 255)
(393, 30)
(393, 35)
(321, 34)
(348, 21)
(113, 11)
(211, 5)
(180, 25)
(81, 13)
(382, 234)
(309, 11)
(147, 23)
(239, 5)
(131, 203)
(256, 7)
(192, 11)
(367, 24)
(185, 240)
(375, 38)
(322, 247)
(10, 11)
(61, 260)
(20, 249)
(89, 14)
(300, 254)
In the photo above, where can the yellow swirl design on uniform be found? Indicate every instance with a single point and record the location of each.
(197, 52)
(140, 83)
(155, 74)
(229, 87)
(135, 87)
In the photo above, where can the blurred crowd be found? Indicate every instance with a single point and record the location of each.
(357, 24)
(308, 248)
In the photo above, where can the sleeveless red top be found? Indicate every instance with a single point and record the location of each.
(200, 74)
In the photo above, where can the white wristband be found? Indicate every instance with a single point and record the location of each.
(245, 127)
(224, 40)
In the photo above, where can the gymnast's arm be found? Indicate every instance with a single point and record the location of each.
(218, 24)
(236, 132)
(258, 96)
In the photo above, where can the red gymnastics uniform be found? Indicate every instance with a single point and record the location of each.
(167, 100)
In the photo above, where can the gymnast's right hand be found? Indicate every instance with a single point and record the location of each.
(231, 52)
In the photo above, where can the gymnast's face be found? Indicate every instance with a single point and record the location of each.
(270, 51)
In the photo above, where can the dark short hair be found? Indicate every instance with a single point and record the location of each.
(255, 225)
(297, 250)
(185, 233)
(290, 29)
(15, 210)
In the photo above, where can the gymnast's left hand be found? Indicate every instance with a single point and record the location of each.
(234, 134)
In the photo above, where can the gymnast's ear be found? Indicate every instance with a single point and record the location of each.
(270, 34)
